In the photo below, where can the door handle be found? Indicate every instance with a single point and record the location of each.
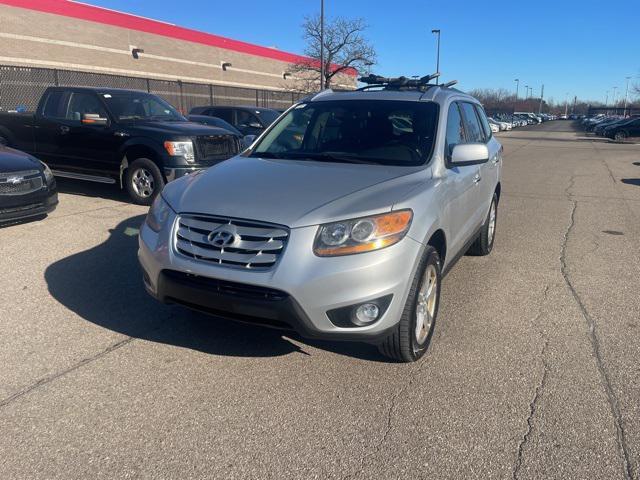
(64, 129)
(477, 178)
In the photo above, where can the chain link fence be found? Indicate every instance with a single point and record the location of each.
(22, 87)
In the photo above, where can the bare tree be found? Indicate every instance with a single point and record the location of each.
(345, 48)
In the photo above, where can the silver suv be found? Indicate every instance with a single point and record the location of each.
(339, 222)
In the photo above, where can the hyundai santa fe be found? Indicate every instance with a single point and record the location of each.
(339, 222)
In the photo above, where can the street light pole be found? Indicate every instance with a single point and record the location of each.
(566, 103)
(614, 97)
(526, 96)
(626, 97)
(517, 80)
(437, 32)
(321, 45)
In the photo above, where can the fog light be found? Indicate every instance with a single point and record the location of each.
(366, 314)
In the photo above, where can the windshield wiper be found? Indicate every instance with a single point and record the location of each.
(329, 157)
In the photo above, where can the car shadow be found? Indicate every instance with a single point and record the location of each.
(637, 164)
(109, 191)
(104, 286)
(631, 181)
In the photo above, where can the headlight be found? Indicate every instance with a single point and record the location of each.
(158, 214)
(362, 234)
(48, 175)
(180, 149)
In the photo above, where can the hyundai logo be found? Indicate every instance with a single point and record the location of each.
(223, 236)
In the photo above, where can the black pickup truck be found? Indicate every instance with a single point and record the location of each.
(109, 135)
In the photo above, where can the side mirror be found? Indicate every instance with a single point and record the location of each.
(94, 119)
(469, 154)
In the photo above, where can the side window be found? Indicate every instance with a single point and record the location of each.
(484, 123)
(455, 129)
(472, 124)
(55, 104)
(223, 113)
(246, 118)
(82, 103)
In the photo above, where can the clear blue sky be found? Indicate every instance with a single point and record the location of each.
(581, 47)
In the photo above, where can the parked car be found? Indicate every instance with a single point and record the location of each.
(27, 186)
(249, 120)
(623, 131)
(112, 135)
(339, 222)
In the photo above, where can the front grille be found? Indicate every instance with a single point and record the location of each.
(20, 183)
(230, 242)
(215, 148)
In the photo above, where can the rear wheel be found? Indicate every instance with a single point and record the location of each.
(411, 337)
(484, 243)
(620, 136)
(143, 181)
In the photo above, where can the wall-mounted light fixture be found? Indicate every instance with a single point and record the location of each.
(135, 52)
(226, 65)
(285, 75)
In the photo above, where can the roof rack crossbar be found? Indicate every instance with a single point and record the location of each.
(397, 83)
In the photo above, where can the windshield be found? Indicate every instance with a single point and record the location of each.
(354, 131)
(132, 106)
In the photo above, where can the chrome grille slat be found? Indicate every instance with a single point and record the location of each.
(20, 183)
(244, 231)
(197, 236)
(225, 256)
(249, 245)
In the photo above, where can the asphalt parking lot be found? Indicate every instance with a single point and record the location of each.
(533, 371)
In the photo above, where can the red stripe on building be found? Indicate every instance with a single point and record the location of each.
(105, 16)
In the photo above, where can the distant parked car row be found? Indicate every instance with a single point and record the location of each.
(508, 121)
(615, 127)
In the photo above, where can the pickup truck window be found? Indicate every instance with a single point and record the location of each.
(82, 103)
(136, 106)
(55, 104)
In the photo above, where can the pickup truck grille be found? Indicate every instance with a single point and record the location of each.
(20, 183)
(230, 242)
(215, 148)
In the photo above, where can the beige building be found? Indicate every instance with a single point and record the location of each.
(68, 35)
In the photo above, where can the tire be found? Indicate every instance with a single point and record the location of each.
(620, 136)
(405, 344)
(143, 181)
(484, 243)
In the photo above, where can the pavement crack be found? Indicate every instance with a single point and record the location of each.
(388, 427)
(594, 340)
(533, 405)
(50, 378)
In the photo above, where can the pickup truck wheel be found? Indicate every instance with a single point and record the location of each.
(411, 338)
(143, 181)
(484, 243)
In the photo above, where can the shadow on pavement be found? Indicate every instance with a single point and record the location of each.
(92, 189)
(637, 164)
(103, 285)
(631, 181)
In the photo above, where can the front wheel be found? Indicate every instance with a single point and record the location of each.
(411, 337)
(143, 181)
(620, 136)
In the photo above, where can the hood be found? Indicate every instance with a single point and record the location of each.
(295, 193)
(15, 161)
(186, 129)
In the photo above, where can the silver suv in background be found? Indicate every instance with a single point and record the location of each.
(340, 221)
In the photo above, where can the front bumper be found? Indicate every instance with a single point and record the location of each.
(296, 293)
(27, 207)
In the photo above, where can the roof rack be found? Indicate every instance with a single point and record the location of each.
(397, 83)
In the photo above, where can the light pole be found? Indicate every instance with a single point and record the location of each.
(515, 104)
(566, 103)
(517, 80)
(526, 96)
(614, 97)
(321, 45)
(626, 97)
(437, 32)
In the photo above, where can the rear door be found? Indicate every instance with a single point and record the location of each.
(475, 134)
(48, 128)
